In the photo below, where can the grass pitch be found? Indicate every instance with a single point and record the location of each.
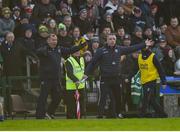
(92, 124)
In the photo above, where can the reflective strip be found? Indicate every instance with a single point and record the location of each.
(135, 87)
(137, 94)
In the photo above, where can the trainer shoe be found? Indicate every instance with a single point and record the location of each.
(48, 116)
(120, 116)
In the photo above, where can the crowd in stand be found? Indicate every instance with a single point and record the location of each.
(25, 26)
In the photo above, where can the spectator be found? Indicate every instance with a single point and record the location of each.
(154, 18)
(27, 7)
(28, 43)
(41, 10)
(103, 36)
(6, 23)
(111, 6)
(137, 37)
(148, 33)
(78, 39)
(27, 39)
(69, 25)
(16, 15)
(18, 31)
(63, 38)
(128, 7)
(62, 12)
(73, 10)
(126, 40)
(52, 26)
(82, 21)
(42, 36)
(13, 53)
(168, 56)
(94, 45)
(120, 35)
(146, 8)
(107, 21)
(92, 11)
(163, 28)
(121, 19)
(173, 33)
(138, 19)
(88, 36)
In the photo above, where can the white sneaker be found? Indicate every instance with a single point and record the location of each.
(48, 116)
(120, 115)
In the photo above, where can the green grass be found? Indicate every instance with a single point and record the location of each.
(92, 124)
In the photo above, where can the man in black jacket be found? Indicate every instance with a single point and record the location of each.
(108, 58)
(50, 61)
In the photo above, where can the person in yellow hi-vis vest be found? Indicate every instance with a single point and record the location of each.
(74, 73)
(150, 69)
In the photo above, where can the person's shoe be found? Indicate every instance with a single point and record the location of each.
(49, 116)
(120, 116)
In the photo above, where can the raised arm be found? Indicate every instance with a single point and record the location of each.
(73, 49)
(131, 49)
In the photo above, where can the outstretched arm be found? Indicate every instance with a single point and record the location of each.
(73, 49)
(131, 49)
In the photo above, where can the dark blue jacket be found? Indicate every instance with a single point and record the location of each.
(109, 59)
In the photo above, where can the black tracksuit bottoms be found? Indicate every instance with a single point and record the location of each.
(110, 87)
(149, 99)
(52, 87)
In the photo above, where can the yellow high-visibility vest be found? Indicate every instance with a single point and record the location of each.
(147, 69)
(78, 71)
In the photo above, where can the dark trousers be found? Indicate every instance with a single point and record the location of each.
(52, 87)
(71, 103)
(150, 99)
(111, 88)
(126, 95)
